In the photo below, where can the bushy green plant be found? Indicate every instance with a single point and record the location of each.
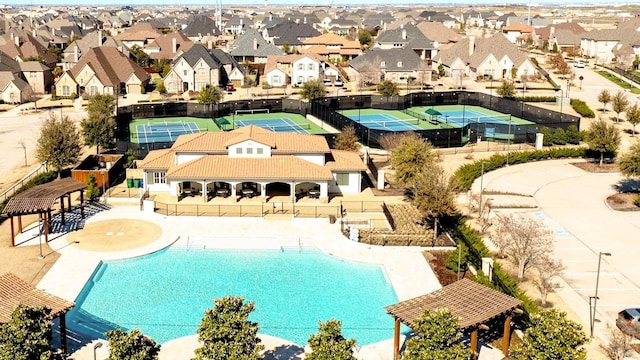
(582, 108)
(559, 137)
(37, 180)
(547, 139)
(636, 201)
(573, 135)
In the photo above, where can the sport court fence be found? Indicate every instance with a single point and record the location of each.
(326, 110)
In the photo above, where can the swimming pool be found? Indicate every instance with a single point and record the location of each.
(165, 294)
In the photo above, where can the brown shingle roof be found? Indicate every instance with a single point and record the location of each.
(213, 167)
(141, 31)
(15, 291)
(110, 66)
(471, 302)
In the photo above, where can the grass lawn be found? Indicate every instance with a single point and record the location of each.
(623, 84)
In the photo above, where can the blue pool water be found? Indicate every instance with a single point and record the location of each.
(165, 294)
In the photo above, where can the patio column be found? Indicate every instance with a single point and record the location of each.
(263, 189)
(62, 209)
(47, 218)
(292, 193)
(506, 337)
(204, 191)
(82, 204)
(474, 343)
(396, 340)
(13, 234)
(63, 333)
(20, 223)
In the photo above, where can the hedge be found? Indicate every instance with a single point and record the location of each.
(466, 174)
(582, 108)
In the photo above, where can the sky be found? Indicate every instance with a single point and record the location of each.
(308, 2)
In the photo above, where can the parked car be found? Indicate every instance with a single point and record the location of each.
(326, 81)
(230, 88)
(628, 322)
(578, 64)
(338, 82)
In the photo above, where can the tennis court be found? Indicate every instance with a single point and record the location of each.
(167, 129)
(384, 121)
(277, 122)
(276, 125)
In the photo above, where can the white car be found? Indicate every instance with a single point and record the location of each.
(338, 82)
(578, 64)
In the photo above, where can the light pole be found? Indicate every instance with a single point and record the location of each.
(103, 193)
(568, 87)
(40, 235)
(509, 141)
(595, 297)
(459, 256)
(96, 347)
(561, 99)
(481, 188)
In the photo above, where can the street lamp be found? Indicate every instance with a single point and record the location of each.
(561, 99)
(96, 347)
(103, 193)
(595, 297)
(568, 87)
(481, 188)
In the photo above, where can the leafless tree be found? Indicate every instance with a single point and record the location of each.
(619, 345)
(370, 72)
(23, 146)
(548, 268)
(524, 239)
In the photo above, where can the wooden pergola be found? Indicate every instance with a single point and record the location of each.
(474, 304)
(40, 200)
(15, 291)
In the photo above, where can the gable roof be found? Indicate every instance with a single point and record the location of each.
(292, 33)
(201, 25)
(251, 43)
(15, 291)
(403, 59)
(408, 35)
(165, 44)
(91, 40)
(499, 46)
(110, 66)
(196, 53)
(139, 32)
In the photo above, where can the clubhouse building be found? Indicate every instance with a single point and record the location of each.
(252, 161)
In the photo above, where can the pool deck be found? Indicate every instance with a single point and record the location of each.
(406, 267)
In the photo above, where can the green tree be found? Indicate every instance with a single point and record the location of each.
(559, 136)
(630, 161)
(139, 56)
(434, 194)
(364, 37)
(286, 47)
(633, 117)
(226, 332)
(52, 49)
(604, 97)
(98, 129)
(59, 143)
(92, 191)
(439, 337)
(27, 335)
(507, 90)
(410, 157)
(547, 136)
(619, 103)
(162, 66)
(329, 344)
(160, 86)
(313, 89)
(388, 88)
(133, 345)
(210, 95)
(573, 135)
(603, 137)
(552, 336)
(347, 139)
(440, 70)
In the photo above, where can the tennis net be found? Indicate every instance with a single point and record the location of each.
(285, 127)
(483, 119)
(252, 111)
(391, 122)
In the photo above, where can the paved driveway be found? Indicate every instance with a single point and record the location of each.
(572, 204)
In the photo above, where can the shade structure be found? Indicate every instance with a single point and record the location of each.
(223, 121)
(433, 112)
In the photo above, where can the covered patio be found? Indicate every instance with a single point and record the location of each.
(15, 291)
(40, 200)
(474, 304)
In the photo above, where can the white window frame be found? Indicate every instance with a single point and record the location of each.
(159, 177)
(342, 179)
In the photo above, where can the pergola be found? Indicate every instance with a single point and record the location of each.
(15, 291)
(40, 200)
(473, 303)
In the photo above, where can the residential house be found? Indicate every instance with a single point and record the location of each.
(439, 33)
(193, 71)
(278, 70)
(251, 47)
(290, 34)
(546, 37)
(251, 160)
(342, 26)
(103, 70)
(231, 71)
(378, 20)
(608, 44)
(27, 47)
(332, 47)
(298, 69)
(407, 36)
(202, 29)
(236, 25)
(140, 34)
(13, 89)
(398, 65)
(38, 76)
(72, 54)
(168, 46)
(445, 19)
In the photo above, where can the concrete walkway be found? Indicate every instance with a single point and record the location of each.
(406, 267)
(571, 202)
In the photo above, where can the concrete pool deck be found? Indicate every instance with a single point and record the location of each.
(406, 267)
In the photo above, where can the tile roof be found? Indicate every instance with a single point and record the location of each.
(15, 291)
(157, 159)
(341, 160)
(212, 167)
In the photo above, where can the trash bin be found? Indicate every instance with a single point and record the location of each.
(136, 183)
(129, 183)
(332, 219)
(141, 183)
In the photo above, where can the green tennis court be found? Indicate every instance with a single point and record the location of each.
(278, 122)
(167, 129)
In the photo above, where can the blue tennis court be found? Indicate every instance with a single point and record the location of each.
(385, 122)
(276, 125)
(167, 132)
(464, 117)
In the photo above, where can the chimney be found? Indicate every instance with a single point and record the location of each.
(270, 17)
(99, 38)
(472, 45)
(255, 44)
(304, 20)
(210, 44)
(17, 40)
(75, 53)
(174, 45)
(404, 34)
(33, 32)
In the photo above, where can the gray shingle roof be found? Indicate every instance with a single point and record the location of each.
(244, 45)
(197, 52)
(414, 39)
(201, 25)
(292, 33)
(403, 59)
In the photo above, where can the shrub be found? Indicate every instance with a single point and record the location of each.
(573, 135)
(37, 180)
(559, 136)
(547, 139)
(582, 108)
(73, 95)
(636, 201)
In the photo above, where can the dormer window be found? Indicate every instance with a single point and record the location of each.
(382, 64)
